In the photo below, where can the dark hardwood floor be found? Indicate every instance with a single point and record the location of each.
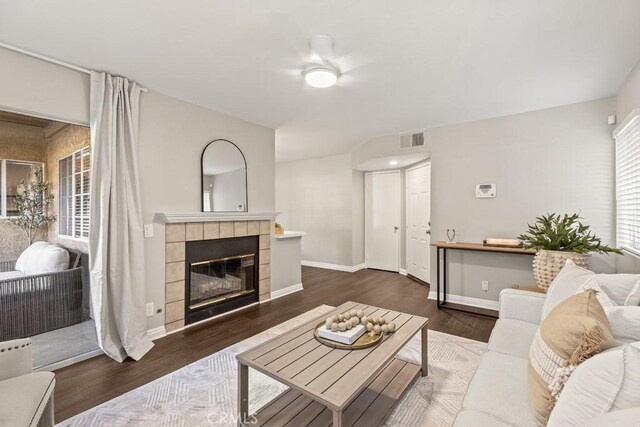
(94, 381)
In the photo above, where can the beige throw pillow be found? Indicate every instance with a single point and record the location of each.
(574, 330)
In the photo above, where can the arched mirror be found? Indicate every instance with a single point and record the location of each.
(224, 178)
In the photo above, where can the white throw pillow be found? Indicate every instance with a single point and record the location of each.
(23, 259)
(565, 285)
(605, 382)
(42, 257)
(624, 322)
(624, 289)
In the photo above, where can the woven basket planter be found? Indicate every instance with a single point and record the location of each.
(547, 265)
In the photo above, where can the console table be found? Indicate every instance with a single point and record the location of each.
(441, 250)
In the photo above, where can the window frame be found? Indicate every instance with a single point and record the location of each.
(620, 129)
(73, 194)
(3, 183)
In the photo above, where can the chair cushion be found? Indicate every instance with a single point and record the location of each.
(512, 337)
(498, 389)
(42, 257)
(575, 330)
(10, 274)
(467, 418)
(606, 382)
(24, 398)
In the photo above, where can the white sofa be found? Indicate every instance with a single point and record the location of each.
(498, 394)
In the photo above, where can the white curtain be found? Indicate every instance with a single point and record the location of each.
(116, 252)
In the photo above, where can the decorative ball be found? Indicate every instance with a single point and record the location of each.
(355, 322)
(376, 320)
(377, 329)
(334, 327)
(382, 321)
(385, 329)
(392, 327)
(342, 326)
(347, 316)
(328, 322)
(359, 313)
(353, 313)
(364, 320)
(334, 318)
(369, 326)
(340, 317)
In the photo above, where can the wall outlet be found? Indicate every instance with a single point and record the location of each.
(150, 311)
(485, 285)
(148, 230)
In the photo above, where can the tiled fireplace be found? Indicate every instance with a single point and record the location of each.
(214, 266)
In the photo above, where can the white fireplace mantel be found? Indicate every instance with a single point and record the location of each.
(172, 218)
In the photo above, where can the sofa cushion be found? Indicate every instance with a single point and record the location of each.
(498, 389)
(24, 398)
(42, 257)
(467, 418)
(607, 382)
(10, 274)
(512, 337)
(575, 330)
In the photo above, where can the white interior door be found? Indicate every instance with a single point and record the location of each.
(418, 208)
(382, 220)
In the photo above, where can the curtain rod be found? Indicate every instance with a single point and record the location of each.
(51, 60)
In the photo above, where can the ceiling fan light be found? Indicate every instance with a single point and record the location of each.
(321, 75)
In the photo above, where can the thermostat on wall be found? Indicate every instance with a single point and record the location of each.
(485, 191)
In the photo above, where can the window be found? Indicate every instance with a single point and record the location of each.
(628, 184)
(74, 200)
(12, 174)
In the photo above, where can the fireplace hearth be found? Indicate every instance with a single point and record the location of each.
(220, 275)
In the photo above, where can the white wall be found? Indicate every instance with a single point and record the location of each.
(627, 99)
(322, 197)
(172, 136)
(554, 160)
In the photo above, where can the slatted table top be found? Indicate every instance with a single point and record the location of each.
(333, 377)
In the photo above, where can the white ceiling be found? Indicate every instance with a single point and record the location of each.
(407, 64)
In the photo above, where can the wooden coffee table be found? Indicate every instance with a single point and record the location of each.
(327, 385)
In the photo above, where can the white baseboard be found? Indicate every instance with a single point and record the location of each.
(403, 271)
(286, 291)
(470, 301)
(70, 361)
(338, 267)
(157, 333)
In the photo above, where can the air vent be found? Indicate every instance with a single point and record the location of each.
(412, 140)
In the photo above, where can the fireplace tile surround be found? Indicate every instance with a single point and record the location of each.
(177, 233)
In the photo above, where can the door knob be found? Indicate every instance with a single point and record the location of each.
(395, 228)
(429, 232)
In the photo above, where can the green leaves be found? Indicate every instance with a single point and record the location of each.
(555, 232)
(33, 204)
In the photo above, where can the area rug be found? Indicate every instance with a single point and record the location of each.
(204, 393)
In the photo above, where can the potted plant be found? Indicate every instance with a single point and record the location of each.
(32, 202)
(279, 229)
(558, 238)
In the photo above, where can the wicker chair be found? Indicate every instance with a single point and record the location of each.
(31, 305)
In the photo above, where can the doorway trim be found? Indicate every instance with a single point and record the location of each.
(366, 215)
(405, 267)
